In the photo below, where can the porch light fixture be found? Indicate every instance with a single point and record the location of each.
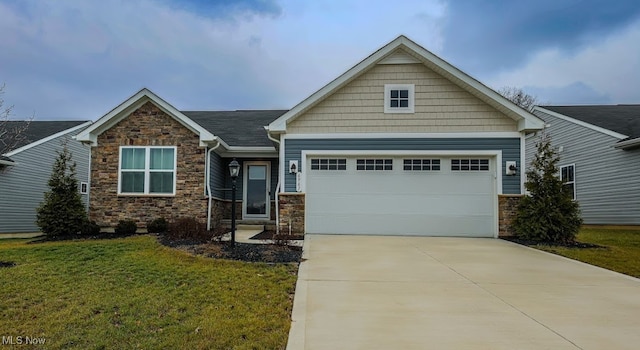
(234, 170)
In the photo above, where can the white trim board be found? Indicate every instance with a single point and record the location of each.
(48, 138)
(581, 123)
(457, 135)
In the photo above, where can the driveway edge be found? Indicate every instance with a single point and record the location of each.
(298, 313)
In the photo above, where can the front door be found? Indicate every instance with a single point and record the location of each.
(256, 190)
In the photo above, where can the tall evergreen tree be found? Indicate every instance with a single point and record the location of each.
(548, 213)
(62, 211)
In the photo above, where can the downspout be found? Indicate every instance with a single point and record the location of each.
(208, 183)
(277, 186)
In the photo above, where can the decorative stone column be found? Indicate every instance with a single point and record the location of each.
(507, 211)
(291, 215)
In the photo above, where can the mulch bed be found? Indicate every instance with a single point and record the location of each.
(7, 264)
(104, 235)
(530, 243)
(266, 253)
(268, 235)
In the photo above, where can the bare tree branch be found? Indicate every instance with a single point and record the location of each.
(519, 97)
(11, 133)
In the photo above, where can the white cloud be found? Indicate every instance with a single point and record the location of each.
(609, 68)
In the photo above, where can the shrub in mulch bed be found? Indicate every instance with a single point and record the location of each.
(531, 243)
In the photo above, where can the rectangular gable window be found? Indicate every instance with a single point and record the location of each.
(568, 177)
(147, 170)
(399, 98)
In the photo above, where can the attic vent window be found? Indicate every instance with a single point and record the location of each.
(399, 98)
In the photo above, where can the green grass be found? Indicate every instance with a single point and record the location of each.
(134, 293)
(620, 252)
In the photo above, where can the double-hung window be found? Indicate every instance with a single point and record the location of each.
(568, 177)
(147, 170)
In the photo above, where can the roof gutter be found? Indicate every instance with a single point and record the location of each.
(628, 144)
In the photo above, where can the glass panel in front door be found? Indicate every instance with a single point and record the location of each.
(257, 190)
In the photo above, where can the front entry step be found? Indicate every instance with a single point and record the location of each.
(247, 227)
(269, 225)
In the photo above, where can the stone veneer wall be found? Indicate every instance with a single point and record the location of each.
(507, 211)
(147, 126)
(291, 212)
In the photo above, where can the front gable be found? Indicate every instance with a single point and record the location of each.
(130, 106)
(442, 91)
(439, 105)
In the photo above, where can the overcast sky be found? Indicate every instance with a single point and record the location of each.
(78, 59)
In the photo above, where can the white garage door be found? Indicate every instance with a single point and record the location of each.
(412, 195)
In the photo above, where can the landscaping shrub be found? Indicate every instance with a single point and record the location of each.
(126, 227)
(62, 211)
(159, 225)
(90, 228)
(188, 228)
(548, 213)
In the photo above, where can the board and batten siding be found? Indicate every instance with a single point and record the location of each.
(440, 106)
(607, 180)
(220, 180)
(510, 148)
(22, 186)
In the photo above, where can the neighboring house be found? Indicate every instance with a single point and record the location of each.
(402, 143)
(599, 149)
(26, 168)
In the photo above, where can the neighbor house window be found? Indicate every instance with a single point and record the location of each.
(568, 177)
(84, 187)
(328, 164)
(147, 170)
(422, 164)
(374, 164)
(469, 164)
(399, 98)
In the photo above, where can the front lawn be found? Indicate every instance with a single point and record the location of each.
(620, 252)
(135, 293)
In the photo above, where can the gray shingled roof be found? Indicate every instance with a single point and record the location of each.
(623, 119)
(37, 130)
(237, 128)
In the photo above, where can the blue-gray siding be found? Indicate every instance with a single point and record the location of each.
(510, 148)
(221, 181)
(607, 179)
(22, 185)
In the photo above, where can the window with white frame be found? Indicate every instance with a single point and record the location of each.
(147, 170)
(568, 177)
(399, 98)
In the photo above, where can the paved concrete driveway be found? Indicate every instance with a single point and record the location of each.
(365, 292)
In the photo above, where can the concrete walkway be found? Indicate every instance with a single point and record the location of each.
(365, 292)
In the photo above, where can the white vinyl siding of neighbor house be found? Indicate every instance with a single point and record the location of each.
(22, 185)
(607, 179)
(440, 106)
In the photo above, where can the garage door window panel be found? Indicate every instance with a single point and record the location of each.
(328, 164)
(421, 164)
(470, 165)
(374, 164)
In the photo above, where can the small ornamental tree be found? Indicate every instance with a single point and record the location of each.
(548, 213)
(62, 211)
